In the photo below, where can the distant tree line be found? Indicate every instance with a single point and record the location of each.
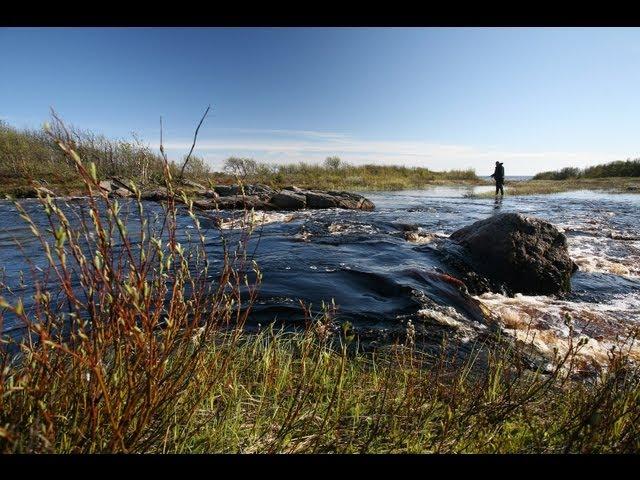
(27, 155)
(619, 168)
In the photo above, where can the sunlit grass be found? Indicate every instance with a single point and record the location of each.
(534, 187)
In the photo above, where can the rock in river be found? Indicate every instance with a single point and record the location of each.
(511, 253)
(288, 200)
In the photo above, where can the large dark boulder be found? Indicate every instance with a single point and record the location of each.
(511, 253)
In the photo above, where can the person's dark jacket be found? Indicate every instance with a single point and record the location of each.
(498, 173)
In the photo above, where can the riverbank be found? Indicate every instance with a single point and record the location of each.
(69, 185)
(535, 187)
(296, 393)
(28, 156)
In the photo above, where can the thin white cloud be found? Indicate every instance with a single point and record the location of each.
(315, 146)
(284, 132)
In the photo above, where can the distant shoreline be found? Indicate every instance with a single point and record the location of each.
(533, 187)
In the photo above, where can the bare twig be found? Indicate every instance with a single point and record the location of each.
(195, 136)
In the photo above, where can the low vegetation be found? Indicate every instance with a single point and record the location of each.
(135, 342)
(536, 187)
(620, 168)
(30, 155)
(334, 174)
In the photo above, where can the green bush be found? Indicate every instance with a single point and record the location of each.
(627, 168)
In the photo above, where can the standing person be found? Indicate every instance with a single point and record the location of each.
(498, 176)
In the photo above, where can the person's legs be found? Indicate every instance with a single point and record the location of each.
(501, 189)
(497, 188)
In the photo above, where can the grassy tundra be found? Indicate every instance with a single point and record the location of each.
(149, 354)
(536, 187)
(28, 155)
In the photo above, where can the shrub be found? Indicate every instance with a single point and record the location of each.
(333, 163)
(240, 167)
(123, 361)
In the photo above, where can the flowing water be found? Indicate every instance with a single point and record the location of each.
(381, 268)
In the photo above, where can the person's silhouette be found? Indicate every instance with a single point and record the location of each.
(498, 176)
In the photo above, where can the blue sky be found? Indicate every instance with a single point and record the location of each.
(534, 98)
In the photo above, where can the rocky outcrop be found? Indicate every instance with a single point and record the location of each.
(510, 253)
(226, 190)
(123, 183)
(320, 200)
(263, 197)
(352, 201)
(192, 184)
(289, 200)
(234, 202)
(256, 196)
(122, 192)
(155, 195)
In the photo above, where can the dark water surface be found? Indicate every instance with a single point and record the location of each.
(379, 267)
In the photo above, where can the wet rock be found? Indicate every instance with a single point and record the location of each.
(293, 188)
(157, 194)
(511, 253)
(195, 185)
(234, 202)
(226, 190)
(419, 237)
(320, 200)
(121, 183)
(207, 193)
(263, 197)
(263, 191)
(106, 185)
(288, 200)
(331, 199)
(352, 201)
(122, 192)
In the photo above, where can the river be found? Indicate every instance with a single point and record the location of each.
(376, 266)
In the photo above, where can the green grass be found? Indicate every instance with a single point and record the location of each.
(534, 187)
(30, 155)
(619, 168)
(294, 394)
(359, 178)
